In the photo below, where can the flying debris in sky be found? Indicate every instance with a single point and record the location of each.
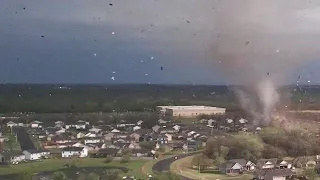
(113, 72)
(151, 58)
(112, 78)
(95, 54)
(161, 68)
(268, 73)
(113, 33)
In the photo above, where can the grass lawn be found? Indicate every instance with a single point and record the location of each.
(182, 167)
(15, 146)
(58, 164)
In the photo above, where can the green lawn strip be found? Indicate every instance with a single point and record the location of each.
(15, 146)
(59, 164)
(181, 167)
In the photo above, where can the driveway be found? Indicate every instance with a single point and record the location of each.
(164, 165)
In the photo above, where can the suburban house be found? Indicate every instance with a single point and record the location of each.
(140, 152)
(35, 154)
(282, 164)
(162, 139)
(93, 140)
(80, 135)
(135, 128)
(156, 128)
(59, 123)
(36, 124)
(139, 122)
(161, 121)
(11, 124)
(80, 125)
(267, 163)
(237, 166)
(231, 168)
(115, 131)
(11, 157)
(176, 127)
(191, 145)
(74, 151)
(303, 162)
(95, 130)
(273, 174)
(169, 137)
(274, 163)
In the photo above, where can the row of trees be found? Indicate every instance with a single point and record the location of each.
(269, 143)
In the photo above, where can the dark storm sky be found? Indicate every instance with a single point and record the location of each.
(78, 44)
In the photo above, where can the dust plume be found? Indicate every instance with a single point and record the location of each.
(259, 43)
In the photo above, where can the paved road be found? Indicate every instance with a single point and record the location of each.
(24, 139)
(164, 165)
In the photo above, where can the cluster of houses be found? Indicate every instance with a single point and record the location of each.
(272, 169)
(228, 124)
(82, 139)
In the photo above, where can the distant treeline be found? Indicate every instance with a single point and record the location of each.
(121, 98)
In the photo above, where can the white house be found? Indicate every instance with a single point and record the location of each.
(61, 131)
(139, 123)
(83, 122)
(92, 140)
(211, 121)
(115, 131)
(11, 124)
(242, 121)
(191, 133)
(136, 128)
(80, 135)
(161, 121)
(59, 123)
(36, 124)
(35, 154)
(74, 151)
(80, 126)
(95, 130)
(229, 120)
(90, 135)
(176, 127)
(169, 136)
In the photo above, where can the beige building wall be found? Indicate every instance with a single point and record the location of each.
(189, 111)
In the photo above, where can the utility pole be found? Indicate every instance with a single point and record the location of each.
(199, 169)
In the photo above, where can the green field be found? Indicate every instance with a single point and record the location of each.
(54, 165)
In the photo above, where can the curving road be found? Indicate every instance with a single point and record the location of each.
(164, 165)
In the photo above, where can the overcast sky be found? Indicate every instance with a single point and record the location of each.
(82, 41)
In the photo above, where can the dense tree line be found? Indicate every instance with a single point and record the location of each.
(122, 98)
(269, 143)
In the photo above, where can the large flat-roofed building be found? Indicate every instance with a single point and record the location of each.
(189, 111)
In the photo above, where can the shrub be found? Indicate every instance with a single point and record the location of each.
(125, 159)
(108, 159)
